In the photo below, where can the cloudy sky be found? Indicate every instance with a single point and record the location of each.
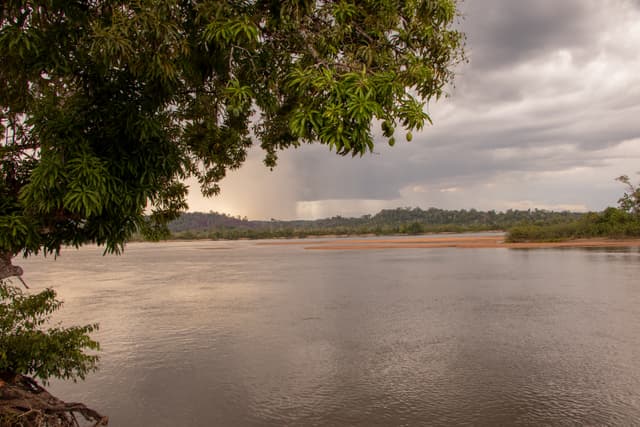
(545, 115)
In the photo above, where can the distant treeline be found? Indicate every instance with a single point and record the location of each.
(612, 223)
(214, 225)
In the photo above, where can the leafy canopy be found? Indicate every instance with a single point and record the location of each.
(107, 106)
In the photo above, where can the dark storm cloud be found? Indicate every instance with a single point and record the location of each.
(383, 176)
(589, 128)
(505, 36)
(502, 33)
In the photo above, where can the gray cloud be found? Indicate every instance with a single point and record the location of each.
(502, 33)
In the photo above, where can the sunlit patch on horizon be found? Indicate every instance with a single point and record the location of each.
(450, 190)
(530, 204)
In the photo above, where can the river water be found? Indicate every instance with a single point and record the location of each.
(236, 333)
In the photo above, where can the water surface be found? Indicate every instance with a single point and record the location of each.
(232, 333)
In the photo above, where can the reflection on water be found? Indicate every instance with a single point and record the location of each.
(211, 333)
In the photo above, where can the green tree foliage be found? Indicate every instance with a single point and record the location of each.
(106, 107)
(630, 200)
(28, 348)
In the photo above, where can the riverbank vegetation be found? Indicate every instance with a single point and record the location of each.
(620, 222)
(613, 223)
(29, 349)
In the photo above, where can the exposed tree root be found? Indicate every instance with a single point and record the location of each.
(24, 403)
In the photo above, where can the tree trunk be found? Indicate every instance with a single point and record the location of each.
(7, 269)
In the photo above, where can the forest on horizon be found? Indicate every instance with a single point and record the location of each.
(215, 225)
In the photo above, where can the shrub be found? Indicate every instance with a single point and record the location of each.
(27, 348)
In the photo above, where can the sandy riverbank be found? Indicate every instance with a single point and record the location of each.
(450, 242)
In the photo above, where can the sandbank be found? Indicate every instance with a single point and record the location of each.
(473, 242)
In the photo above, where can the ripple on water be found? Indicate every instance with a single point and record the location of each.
(280, 336)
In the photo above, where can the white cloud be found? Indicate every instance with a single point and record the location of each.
(530, 204)
(450, 190)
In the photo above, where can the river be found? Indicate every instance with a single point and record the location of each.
(239, 334)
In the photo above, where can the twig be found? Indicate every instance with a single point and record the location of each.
(23, 282)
